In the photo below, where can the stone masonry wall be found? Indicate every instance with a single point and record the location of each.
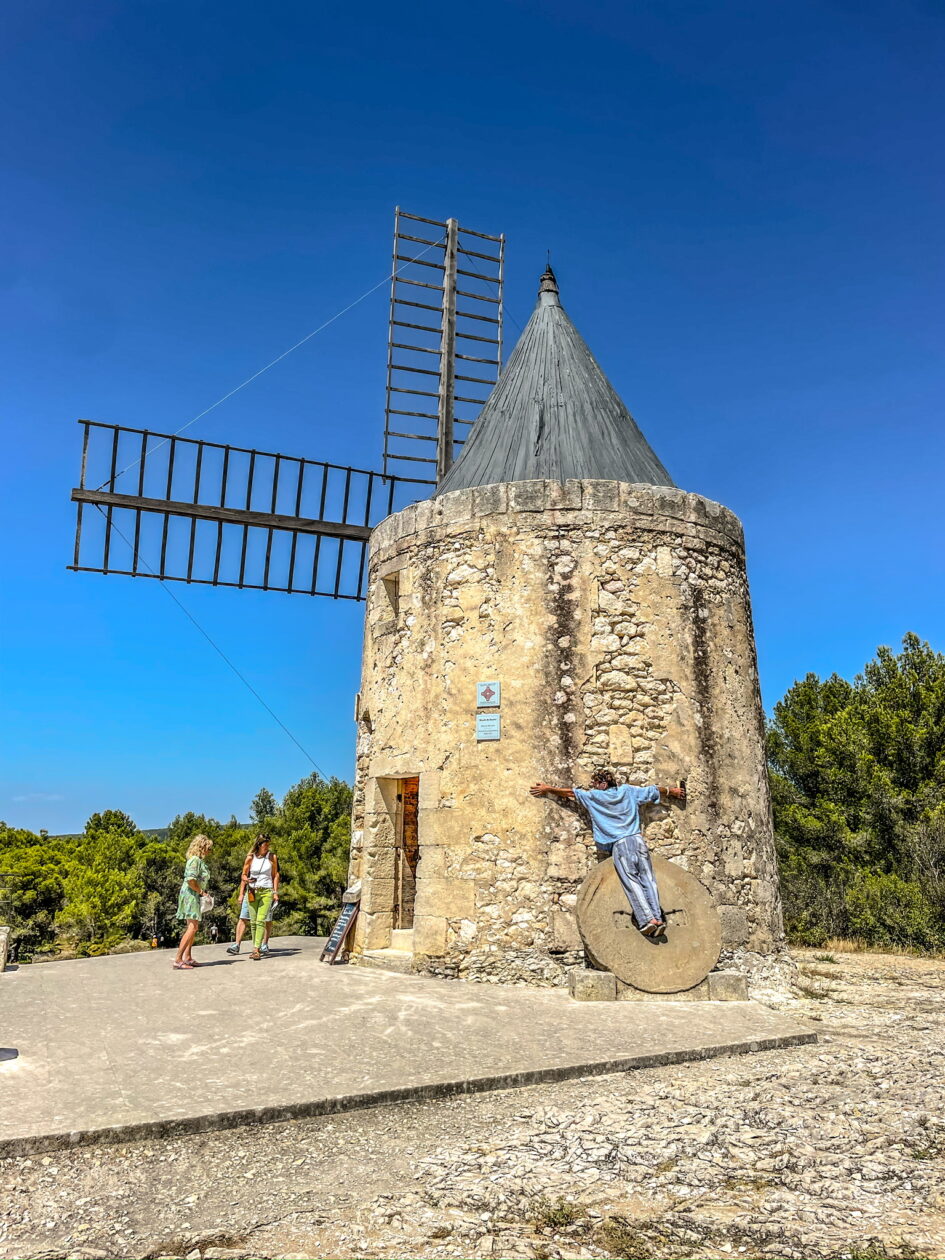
(617, 620)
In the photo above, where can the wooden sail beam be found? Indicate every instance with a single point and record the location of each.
(226, 515)
(205, 512)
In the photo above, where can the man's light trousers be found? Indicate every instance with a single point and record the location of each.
(632, 861)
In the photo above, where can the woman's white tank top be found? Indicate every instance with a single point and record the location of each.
(260, 871)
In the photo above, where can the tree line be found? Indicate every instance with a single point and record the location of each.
(114, 885)
(857, 774)
(858, 787)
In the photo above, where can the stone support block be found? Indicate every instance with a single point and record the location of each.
(374, 930)
(379, 796)
(698, 993)
(390, 567)
(490, 500)
(429, 797)
(667, 501)
(564, 494)
(527, 496)
(425, 514)
(429, 935)
(635, 498)
(600, 496)
(471, 597)
(567, 861)
(432, 861)
(454, 508)
(445, 826)
(564, 931)
(377, 894)
(621, 746)
(449, 898)
(378, 831)
(379, 864)
(586, 985)
(696, 509)
(381, 536)
(407, 522)
(728, 986)
(734, 925)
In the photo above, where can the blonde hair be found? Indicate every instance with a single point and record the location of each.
(200, 846)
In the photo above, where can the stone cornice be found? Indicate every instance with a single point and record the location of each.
(593, 504)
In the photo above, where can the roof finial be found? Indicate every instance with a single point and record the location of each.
(548, 286)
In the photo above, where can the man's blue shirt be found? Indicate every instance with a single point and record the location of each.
(615, 812)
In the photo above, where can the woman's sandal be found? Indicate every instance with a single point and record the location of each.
(256, 956)
(182, 966)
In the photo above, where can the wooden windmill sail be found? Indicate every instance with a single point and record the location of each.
(181, 509)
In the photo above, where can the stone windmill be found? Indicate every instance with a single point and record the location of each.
(553, 604)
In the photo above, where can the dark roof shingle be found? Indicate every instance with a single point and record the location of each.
(553, 414)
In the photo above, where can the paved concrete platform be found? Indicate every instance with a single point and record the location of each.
(118, 1048)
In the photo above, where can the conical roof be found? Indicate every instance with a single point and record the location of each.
(553, 414)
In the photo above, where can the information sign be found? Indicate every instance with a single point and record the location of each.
(349, 912)
(488, 695)
(488, 726)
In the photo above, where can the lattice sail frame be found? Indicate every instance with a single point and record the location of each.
(427, 362)
(220, 515)
(217, 515)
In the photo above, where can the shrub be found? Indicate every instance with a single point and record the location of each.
(887, 910)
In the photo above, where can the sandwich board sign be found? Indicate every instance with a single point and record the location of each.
(349, 912)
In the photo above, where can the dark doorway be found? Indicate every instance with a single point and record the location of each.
(406, 853)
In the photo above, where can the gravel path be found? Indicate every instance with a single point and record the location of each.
(820, 1151)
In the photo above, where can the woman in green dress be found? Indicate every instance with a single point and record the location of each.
(194, 887)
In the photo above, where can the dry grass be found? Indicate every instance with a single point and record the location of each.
(555, 1214)
(818, 990)
(629, 1240)
(838, 945)
(818, 971)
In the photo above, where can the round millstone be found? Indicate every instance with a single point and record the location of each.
(678, 959)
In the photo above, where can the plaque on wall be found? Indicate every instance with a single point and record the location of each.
(488, 726)
(488, 694)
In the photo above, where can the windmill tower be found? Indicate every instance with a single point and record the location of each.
(540, 599)
(558, 604)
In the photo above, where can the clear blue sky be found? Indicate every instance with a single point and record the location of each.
(745, 207)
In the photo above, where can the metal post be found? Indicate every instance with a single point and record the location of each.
(444, 428)
(501, 311)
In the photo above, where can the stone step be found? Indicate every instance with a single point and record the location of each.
(402, 938)
(388, 959)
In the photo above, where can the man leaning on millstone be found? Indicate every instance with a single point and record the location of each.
(615, 819)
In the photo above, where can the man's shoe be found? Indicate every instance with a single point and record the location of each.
(233, 949)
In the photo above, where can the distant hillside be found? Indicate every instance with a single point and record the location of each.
(156, 833)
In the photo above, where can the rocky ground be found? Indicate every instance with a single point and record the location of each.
(823, 1151)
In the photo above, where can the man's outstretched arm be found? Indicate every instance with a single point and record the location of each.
(567, 794)
(545, 789)
(674, 794)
